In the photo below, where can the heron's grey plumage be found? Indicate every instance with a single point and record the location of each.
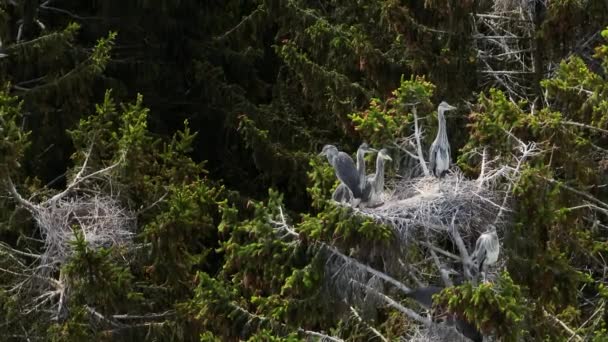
(344, 167)
(342, 194)
(439, 153)
(374, 184)
(487, 249)
(361, 151)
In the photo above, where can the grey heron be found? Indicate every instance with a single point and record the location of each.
(344, 167)
(487, 249)
(374, 184)
(342, 194)
(361, 151)
(439, 154)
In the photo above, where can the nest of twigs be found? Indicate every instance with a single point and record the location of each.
(433, 206)
(101, 221)
(503, 6)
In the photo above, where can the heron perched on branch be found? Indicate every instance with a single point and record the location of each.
(439, 154)
(487, 249)
(345, 170)
(374, 184)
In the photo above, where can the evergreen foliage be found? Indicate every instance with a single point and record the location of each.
(159, 177)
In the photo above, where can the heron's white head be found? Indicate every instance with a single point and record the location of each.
(329, 151)
(444, 107)
(366, 149)
(383, 153)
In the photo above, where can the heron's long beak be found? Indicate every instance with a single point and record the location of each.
(321, 153)
(452, 107)
(373, 150)
(388, 158)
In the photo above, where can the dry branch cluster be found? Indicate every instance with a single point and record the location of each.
(505, 47)
(99, 218)
(102, 221)
(428, 204)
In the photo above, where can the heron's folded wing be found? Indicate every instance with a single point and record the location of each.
(479, 255)
(432, 156)
(347, 173)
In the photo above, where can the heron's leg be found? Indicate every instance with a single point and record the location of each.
(483, 273)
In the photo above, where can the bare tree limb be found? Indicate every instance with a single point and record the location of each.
(407, 311)
(372, 329)
(572, 333)
(418, 135)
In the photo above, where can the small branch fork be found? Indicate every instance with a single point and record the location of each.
(415, 141)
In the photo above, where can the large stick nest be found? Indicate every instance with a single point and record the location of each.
(431, 206)
(101, 220)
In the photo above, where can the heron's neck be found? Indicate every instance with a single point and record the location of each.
(330, 157)
(379, 177)
(361, 162)
(442, 132)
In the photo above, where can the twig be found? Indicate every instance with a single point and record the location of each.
(162, 198)
(78, 179)
(372, 329)
(101, 317)
(418, 144)
(407, 311)
(165, 314)
(580, 193)
(31, 207)
(444, 252)
(572, 333)
(483, 169)
(464, 254)
(444, 275)
(597, 311)
(368, 269)
(578, 124)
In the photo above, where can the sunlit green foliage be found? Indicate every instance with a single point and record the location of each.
(497, 308)
(178, 233)
(211, 104)
(95, 279)
(381, 123)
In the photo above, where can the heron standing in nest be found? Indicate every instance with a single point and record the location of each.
(487, 249)
(439, 154)
(342, 194)
(374, 184)
(345, 170)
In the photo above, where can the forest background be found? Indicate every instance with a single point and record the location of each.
(149, 148)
